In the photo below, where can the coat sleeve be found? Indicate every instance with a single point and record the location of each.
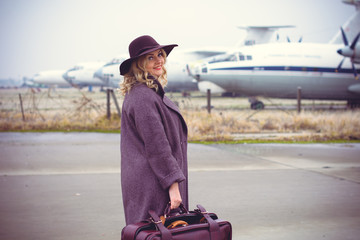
(147, 115)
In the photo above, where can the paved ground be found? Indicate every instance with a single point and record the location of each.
(67, 186)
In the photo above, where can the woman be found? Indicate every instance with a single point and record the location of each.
(153, 135)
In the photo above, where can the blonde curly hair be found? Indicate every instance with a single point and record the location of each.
(139, 74)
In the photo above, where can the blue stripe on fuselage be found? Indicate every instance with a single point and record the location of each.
(288, 68)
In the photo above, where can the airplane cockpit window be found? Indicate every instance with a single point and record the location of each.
(114, 61)
(223, 58)
(249, 42)
(76, 68)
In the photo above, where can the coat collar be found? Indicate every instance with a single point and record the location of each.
(166, 100)
(160, 91)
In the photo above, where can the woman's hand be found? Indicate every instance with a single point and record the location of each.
(175, 197)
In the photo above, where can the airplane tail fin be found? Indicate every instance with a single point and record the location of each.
(351, 26)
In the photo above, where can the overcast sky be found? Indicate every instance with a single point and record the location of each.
(38, 35)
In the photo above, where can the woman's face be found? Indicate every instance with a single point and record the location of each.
(155, 62)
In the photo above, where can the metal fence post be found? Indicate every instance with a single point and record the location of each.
(108, 104)
(116, 103)
(299, 99)
(22, 108)
(209, 101)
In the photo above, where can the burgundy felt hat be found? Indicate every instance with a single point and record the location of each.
(141, 46)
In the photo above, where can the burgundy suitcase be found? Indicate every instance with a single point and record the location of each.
(193, 225)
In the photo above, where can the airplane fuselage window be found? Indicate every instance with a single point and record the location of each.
(249, 42)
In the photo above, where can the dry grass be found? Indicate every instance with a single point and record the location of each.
(63, 110)
(74, 110)
(229, 125)
(58, 123)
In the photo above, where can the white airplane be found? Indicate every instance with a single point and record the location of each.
(323, 71)
(178, 79)
(51, 78)
(82, 74)
(109, 73)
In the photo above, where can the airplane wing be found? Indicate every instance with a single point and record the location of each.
(206, 54)
(190, 55)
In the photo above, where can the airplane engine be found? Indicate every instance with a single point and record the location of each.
(350, 52)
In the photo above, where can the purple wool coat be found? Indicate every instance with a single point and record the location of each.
(153, 152)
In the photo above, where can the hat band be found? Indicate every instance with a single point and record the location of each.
(141, 51)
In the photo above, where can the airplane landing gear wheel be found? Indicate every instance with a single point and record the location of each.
(258, 105)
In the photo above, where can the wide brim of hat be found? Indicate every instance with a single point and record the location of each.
(125, 65)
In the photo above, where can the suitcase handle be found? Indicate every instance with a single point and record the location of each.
(168, 212)
(166, 234)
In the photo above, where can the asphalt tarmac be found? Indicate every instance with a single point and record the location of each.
(67, 186)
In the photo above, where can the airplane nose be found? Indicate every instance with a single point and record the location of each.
(193, 70)
(70, 78)
(67, 77)
(99, 74)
